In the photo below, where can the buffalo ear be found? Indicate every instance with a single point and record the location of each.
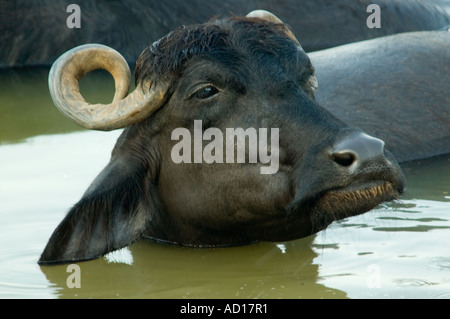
(112, 213)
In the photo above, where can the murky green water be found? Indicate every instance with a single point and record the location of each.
(399, 250)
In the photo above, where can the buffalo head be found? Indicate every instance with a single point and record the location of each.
(237, 73)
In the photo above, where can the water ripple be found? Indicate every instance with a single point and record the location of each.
(414, 282)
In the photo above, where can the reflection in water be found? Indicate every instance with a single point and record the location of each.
(406, 241)
(397, 250)
(163, 271)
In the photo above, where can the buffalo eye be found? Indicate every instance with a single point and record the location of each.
(205, 92)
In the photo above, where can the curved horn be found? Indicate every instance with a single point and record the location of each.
(125, 110)
(269, 16)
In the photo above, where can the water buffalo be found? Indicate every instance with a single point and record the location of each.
(36, 31)
(396, 88)
(247, 72)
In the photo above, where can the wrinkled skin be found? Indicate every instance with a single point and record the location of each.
(142, 193)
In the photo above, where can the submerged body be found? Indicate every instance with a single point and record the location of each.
(396, 88)
(36, 31)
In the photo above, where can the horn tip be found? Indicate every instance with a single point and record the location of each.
(263, 14)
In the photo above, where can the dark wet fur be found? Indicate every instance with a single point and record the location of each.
(225, 40)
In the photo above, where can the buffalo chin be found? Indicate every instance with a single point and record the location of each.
(301, 219)
(351, 201)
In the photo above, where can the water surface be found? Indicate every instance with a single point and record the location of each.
(398, 250)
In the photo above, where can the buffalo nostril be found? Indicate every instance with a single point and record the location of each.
(344, 158)
(356, 148)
